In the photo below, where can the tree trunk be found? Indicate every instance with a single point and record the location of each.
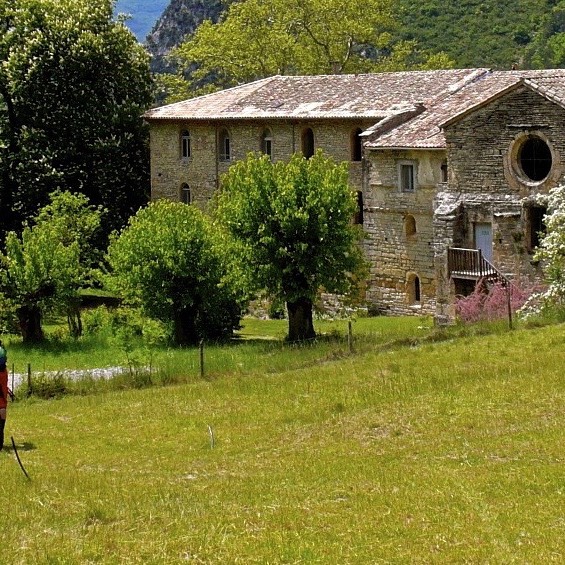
(300, 325)
(29, 318)
(185, 327)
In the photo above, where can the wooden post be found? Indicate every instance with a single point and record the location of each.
(202, 358)
(509, 304)
(350, 336)
(29, 386)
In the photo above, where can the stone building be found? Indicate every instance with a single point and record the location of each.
(447, 165)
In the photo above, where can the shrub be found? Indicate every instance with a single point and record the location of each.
(489, 302)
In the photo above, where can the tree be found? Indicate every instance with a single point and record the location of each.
(259, 38)
(73, 85)
(42, 270)
(294, 225)
(171, 262)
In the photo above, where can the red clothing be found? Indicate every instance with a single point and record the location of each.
(3, 388)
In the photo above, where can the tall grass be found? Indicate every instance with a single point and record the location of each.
(433, 451)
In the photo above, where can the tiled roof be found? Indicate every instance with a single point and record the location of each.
(424, 131)
(320, 97)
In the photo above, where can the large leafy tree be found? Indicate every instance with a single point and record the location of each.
(259, 38)
(294, 225)
(171, 262)
(43, 268)
(73, 85)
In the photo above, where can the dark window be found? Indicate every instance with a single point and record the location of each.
(413, 289)
(356, 145)
(185, 148)
(534, 158)
(185, 194)
(536, 226)
(308, 143)
(267, 143)
(224, 145)
(358, 218)
(444, 172)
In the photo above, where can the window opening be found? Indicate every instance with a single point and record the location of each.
(356, 145)
(358, 218)
(406, 173)
(185, 148)
(444, 171)
(185, 194)
(267, 143)
(536, 226)
(534, 158)
(308, 143)
(413, 289)
(410, 225)
(224, 145)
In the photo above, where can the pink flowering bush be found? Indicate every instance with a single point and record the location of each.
(490, 301)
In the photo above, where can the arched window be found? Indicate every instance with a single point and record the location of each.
(224, 145)
(413, 293)
(185, 149)
(356, 145)
(185, 196)
(308, 143)
(358, 218)
(409, 225)
(267, 143)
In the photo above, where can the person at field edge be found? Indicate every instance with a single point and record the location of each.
(3, 391)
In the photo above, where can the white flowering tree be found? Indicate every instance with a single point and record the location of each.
(551, 252)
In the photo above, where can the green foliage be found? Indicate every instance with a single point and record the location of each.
(256, 39)
(475, 33)
(171, 262)
(43, 269)
(293, 221)
(73, 84)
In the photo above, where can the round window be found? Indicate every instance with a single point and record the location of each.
(534, 158)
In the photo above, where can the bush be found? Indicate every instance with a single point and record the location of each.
(489, 301)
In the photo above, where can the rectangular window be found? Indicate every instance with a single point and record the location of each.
(406, 177)
(185, 147)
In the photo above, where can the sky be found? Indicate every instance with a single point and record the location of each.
(144, 14)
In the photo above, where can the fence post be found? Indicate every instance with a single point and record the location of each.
(29, 386)
(509, 304)
(202, 358)
(350, 336)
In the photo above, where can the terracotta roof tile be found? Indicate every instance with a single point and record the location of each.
(425, 130)
(319, 97)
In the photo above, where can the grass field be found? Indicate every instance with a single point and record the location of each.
(425, 452)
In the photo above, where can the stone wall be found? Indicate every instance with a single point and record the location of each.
(203, 169)
(399, 227)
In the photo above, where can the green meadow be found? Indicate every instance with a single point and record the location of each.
(413, 446)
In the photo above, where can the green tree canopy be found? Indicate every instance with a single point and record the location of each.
(258, 38)
(170, 261)
(73, 85)
(41, 270)
(294, 225)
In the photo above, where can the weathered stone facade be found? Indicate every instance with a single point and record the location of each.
(203, 169)
(450, 159)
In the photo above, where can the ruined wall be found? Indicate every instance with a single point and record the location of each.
(396, 254)
(203, 169)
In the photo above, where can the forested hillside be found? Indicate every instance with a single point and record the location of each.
(476, 33)
(491, 33)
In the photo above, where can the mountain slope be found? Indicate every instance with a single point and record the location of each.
(144, 14)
